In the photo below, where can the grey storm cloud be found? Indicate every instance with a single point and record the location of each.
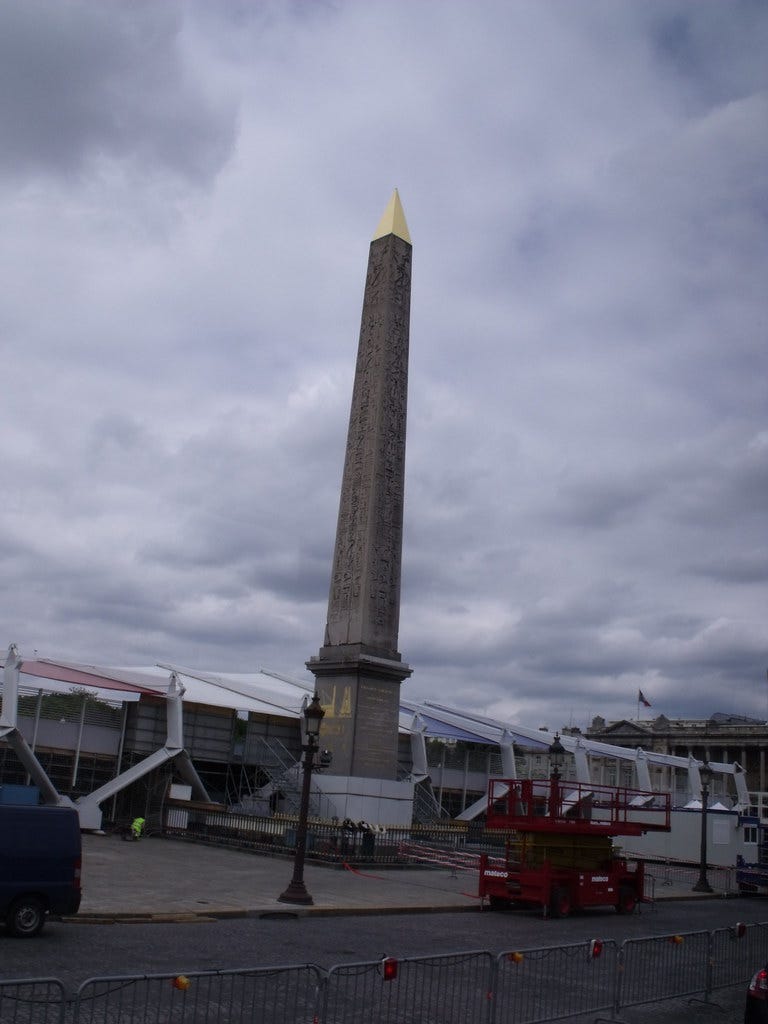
(187, 193)
(83, 81)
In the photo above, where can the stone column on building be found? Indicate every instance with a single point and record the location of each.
(359, 669)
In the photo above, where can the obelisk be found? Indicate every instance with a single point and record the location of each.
(358, 670)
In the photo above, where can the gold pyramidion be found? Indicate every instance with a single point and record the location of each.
(393, 221)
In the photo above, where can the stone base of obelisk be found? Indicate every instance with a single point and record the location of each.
(360, 695)
(375, 801)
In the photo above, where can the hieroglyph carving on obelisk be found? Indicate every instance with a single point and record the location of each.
(359, 667)
(364, 601)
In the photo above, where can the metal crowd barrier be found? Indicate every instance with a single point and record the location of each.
(35, 1001)
(663, 967)
(555, 983)
(737, 953)
(430, 990)
(672, 872)
(526, 986)
(285, 994)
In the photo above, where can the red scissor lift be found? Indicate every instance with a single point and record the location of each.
(559, 849)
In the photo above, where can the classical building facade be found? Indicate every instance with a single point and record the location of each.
(721, 737)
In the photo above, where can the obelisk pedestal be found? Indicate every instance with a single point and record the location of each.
(359, 670)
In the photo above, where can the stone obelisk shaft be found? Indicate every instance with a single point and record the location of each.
(364, 601)
(359, 668)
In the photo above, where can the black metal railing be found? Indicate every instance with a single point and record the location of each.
(329, 842)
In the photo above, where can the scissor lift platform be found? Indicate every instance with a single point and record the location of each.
(559, 850)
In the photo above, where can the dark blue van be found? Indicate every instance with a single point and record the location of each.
(40, 860)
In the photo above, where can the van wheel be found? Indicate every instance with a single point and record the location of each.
(26, 917)
(560, 904)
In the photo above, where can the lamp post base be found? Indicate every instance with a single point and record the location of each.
(296, 893)
(702, 886)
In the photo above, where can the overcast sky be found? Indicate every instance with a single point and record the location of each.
(187, 196)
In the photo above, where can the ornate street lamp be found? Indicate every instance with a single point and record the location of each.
(706, 774)
(556, 757)
(297, 891)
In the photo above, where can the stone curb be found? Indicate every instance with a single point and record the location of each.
(272, 912)
(182, 917)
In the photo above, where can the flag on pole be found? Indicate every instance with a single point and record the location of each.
(641, 699)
